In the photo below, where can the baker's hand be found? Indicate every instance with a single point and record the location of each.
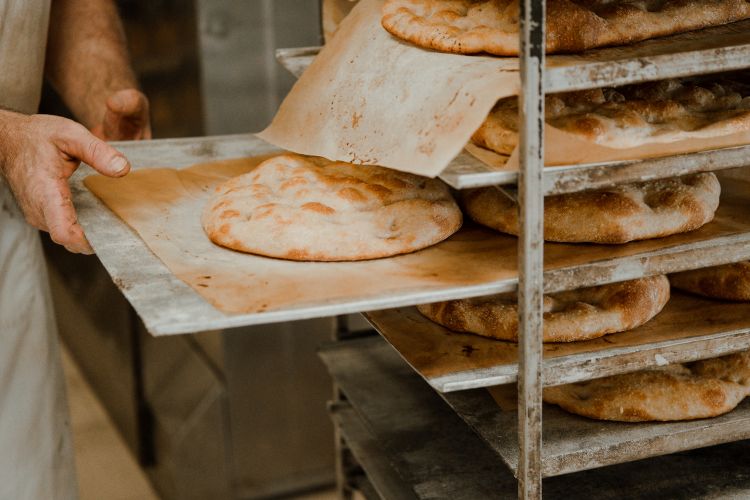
(125, 118)
(38, 154)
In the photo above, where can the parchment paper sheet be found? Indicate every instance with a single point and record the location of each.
(369, 98)
(164, 205)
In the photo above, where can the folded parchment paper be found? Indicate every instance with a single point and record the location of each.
(369, 98)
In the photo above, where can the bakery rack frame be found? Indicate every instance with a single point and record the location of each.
(537, 77)
(169, 306)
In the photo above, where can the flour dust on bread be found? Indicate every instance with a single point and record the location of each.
(619, 214)
(728, 281)
(476, 26)
(634, 115)
(574, 315)
(311, 209)
(702, 389)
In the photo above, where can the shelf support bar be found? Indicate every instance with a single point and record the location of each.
(531, 248)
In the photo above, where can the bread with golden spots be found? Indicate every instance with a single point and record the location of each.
(649, 395)
(676, 392)
(311, 209)
(574, 315)
(619, 214)
(728, 281)
(627, 117)
(476, 26)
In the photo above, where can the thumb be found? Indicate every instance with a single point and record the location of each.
(81, 144)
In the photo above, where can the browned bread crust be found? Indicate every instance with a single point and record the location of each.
(729, 282)
(475, 26)
(676, 392)
(619, 214)
(304, 208)
(626, 117)
(569, 316)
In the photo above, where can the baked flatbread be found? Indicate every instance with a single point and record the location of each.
(676, 392)
(583, 314)
(734, 368)
(729, 282)
(305, 208)
(474, 26)
(618, 214)
(630, 116)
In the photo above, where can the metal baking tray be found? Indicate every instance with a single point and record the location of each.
(688, 328)
(712, 50)
(395, 418)
(169, 306)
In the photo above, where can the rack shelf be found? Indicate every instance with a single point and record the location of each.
(169, 306)
(712, 50)
(572, 443)
(717, 49)
(688, 328)
(402, 422)
(466, 172)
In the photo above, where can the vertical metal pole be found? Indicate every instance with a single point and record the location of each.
(531, 248)
(342, 457)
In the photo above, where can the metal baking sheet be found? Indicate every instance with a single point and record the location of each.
(688, 328)
(572, 443)
(723, 48)
(169, 306)
(399, 420)
(717, 49)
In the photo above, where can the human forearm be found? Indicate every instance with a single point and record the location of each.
(87, 59)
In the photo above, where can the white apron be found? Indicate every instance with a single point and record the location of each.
(36, 460)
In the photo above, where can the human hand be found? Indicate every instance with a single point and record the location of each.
(38, 154)
(125, 118)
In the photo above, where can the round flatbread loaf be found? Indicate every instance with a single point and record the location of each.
(618, 214)
(311, 209)
(583, 314)
(633, 115)
(729, 282)
(673, 393)
(473, 26)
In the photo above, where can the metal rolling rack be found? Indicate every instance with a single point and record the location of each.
(570, 446)
(169, 306)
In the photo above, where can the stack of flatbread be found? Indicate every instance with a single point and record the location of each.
(491, 26)
(304, 208)
(574, 315)
(690, 391)
(625, 117)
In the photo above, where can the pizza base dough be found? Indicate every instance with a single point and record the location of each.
(619, 214)
(583, 314)
(729, 281)
(677, 392)
(310, 209)
(475, 26)
(627, 117)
